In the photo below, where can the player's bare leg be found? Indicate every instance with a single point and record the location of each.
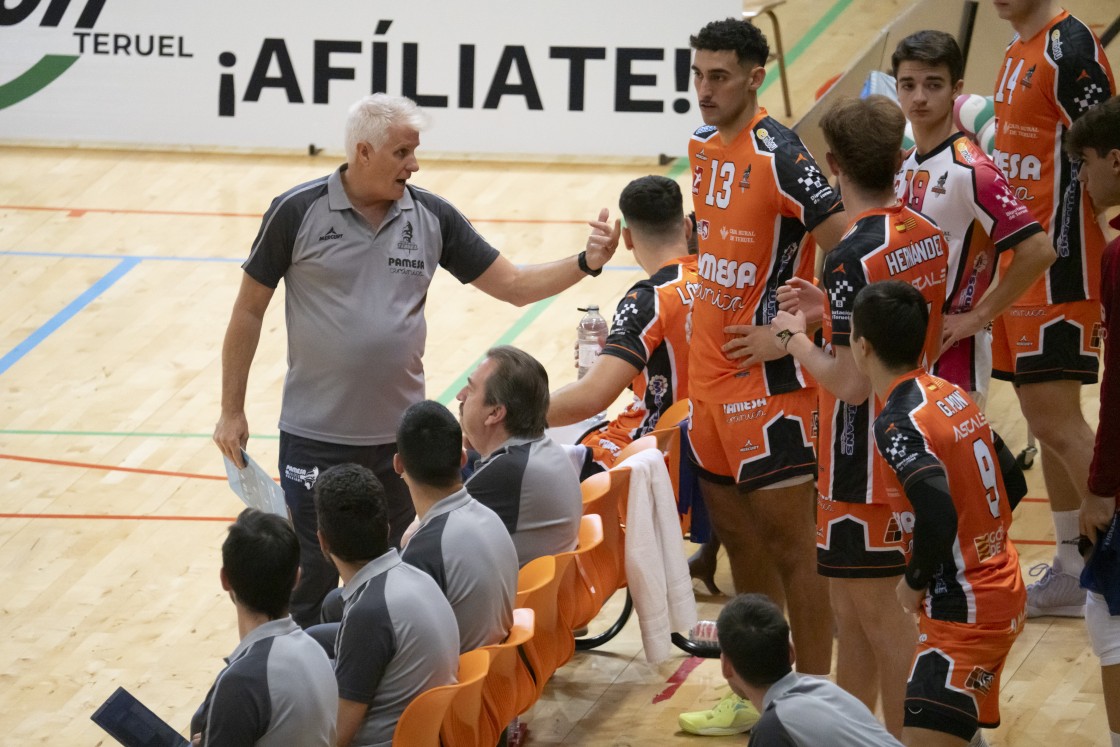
(703, 563)
(892, 634)
(1110, 679)
(1053, 412)
(785, 524)
(856, 668)
(752, 571)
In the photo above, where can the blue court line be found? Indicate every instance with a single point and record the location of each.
(67, 313)
(124, 257)
(157, 258)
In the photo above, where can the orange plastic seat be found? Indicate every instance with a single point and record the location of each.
(641, 444)
(595, 488)
(466, 723)
(563, 641)
(672, 417)
(578, 599)
(668, 434)
(606, 565)
(510, 688)
(538, 586)
(632, 448)
(420, 723)
(444, 714)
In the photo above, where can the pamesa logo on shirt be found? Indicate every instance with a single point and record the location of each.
(405, 244)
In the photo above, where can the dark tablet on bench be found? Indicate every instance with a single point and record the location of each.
(133, 724)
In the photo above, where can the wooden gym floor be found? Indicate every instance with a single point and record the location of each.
(117, 273)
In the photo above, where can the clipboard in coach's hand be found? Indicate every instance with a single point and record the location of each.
(255, 487)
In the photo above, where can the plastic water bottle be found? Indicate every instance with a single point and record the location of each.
(591, 335)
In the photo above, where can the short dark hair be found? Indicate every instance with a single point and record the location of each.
(430, 444)
(1098, 128)
(520, 384)
(754, 636)
(352, 513)
(931, 48)
(893, 317)
(653, 207)
(865, 138)
(260, 557)
(736, 35)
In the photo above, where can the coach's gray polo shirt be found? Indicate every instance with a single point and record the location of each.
(534, 489)
(465, 547)
(809, 712)
(277, 690)
(398, 638)
(354, 303)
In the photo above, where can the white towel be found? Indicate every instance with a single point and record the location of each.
(656, 569)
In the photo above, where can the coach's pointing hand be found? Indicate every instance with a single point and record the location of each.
(603, 240)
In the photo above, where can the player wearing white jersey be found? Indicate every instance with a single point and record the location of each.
(947, 177)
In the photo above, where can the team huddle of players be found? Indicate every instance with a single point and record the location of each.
(883, 405)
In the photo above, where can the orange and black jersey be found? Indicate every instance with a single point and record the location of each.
(650, 332)
(926, 425)
(1047, 82)
(893, 243)
(755, 199)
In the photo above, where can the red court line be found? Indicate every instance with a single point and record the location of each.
(77, 212)
(119, 517)
(110, 468)
(668, 692)
(677, 679)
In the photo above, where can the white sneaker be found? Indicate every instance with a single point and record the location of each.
(1056, 593)
(978, 740)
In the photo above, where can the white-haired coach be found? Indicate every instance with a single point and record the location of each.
(357, 250)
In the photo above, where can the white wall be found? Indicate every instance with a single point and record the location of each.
(279, 74)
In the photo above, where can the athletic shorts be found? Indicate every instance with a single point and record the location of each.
(1104, 630)
(756, 442)
(606, 439)
(954, 679)
(968, 364)
(1032, 344)
(859, 540)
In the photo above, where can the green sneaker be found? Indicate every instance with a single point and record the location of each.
(732, 715)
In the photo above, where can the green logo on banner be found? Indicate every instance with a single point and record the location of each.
(50, 66)
(36, 78)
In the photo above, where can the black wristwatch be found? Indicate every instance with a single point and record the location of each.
(586, 268)
(785, 336)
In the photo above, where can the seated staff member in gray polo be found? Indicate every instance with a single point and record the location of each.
(398, 635)
(460, 543)
(797, 710)
(524, 476)
(278, 688)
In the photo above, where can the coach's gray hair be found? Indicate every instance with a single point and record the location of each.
(371, 118)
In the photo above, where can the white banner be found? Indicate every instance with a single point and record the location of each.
(543, 77)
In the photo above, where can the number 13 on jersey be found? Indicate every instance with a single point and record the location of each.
(723, 174)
